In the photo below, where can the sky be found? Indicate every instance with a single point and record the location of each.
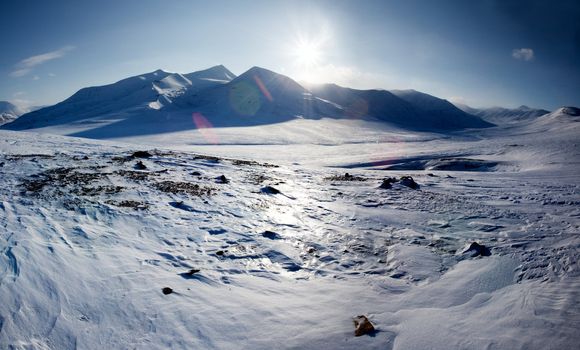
(482, 53)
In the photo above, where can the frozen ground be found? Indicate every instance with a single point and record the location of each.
(88, 242)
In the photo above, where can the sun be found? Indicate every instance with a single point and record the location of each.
(308, 53)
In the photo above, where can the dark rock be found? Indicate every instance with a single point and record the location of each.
(140, 166)
(388, 183)
(222, 179)
(345, 177)
(476, 249)
(409, 182)
(219, 253)
(184, 187)
(196, 173)
(573, 111)
(270, 190)
(167, 290)
(362, 326)
(271, 235)
(191, 272)
(141, 154)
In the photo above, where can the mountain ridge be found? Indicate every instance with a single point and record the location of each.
(257, 96)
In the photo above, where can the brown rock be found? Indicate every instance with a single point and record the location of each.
(362, 326)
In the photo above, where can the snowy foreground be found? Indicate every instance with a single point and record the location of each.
(88, 242)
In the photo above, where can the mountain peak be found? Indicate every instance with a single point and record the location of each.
(218, 72)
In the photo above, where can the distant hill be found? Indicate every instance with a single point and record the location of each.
(500, 115)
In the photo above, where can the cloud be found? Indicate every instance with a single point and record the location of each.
(26, 66)
(524, 54)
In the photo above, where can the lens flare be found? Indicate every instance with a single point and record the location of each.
(205, 128)
(245, 98)
(263, 88)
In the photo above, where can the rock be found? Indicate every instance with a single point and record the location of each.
(141, 154)
(140, 166)
(345, 177)
(167, 290)
(388, 183)
(219, 253)
(196, 173)
(270, 190)
(409, 182)
(191, 272)
(270, 235)
(362, 326)
(222, 179)
(476, 249)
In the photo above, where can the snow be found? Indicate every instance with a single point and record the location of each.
(79, 269)
(137, 105)
(9, 112)
(504, 116)
(288, 248)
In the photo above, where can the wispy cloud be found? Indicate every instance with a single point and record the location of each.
(524, 54)
(26, 66)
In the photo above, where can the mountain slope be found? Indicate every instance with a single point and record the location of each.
(501, 116)
(127, 98)
(439, 113)
(258, 96)
(9, 112)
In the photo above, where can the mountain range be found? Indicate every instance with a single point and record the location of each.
(161, 101)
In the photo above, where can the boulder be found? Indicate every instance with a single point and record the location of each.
(476, 249)
(141, 154)
(362, 326)
(388, 183)
(408, 181)
(140, 166)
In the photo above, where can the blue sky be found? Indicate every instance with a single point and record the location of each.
(483, 53)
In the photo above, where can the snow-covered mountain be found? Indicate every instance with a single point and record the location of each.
(9, 112)
(160, 102)
(502, 116)
(128, 97)
(258, 96)
(439, 113)
(408, 109)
